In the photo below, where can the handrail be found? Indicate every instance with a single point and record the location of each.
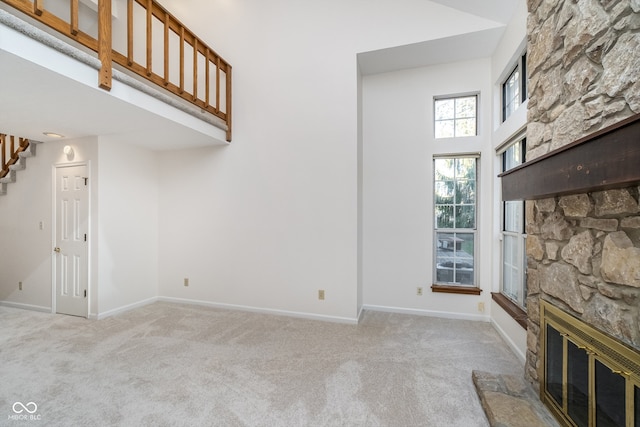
(207, 85)
(11, 151)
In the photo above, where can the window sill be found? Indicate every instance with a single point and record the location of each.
(466, 290)
(518, 314)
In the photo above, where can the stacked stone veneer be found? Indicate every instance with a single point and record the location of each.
(583, 250)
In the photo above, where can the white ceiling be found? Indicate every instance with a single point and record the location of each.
(495, 10)
(479, 44)
(471, 45)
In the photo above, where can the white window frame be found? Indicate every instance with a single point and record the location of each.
(521, 68)
(519, 261)
(473, 231)
(455, 118)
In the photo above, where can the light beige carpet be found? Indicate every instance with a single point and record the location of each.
(177, 365)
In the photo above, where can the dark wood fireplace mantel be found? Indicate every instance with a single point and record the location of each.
(606, 159)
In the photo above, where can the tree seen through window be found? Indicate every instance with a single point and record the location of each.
(455, 184)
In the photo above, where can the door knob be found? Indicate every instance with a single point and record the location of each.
(56, 250)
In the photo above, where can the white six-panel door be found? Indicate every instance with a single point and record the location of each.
(71, 247)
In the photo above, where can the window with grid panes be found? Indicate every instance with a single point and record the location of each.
(455, 204)
(514, 88)
(456, 116)
(514, 284)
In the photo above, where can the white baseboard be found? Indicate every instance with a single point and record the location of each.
(297, 314)
(123, 309)
(521, 356)
(431, 313)
(26, 306)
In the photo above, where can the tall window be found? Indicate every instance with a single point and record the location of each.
(455, 201)
(514, 88)
(456, 117)
(514, 284)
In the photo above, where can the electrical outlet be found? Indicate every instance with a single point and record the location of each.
(321, 294)
(419, 291)
(186, 281)
(19, 286)
(481, 307)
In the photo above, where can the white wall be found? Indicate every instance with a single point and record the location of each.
(360, 300)
(271, 219)
(507, 53)
(513, 334)
(398, 192)
(127, 227)
(26, 253)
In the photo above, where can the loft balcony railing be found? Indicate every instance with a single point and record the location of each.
(156, 46)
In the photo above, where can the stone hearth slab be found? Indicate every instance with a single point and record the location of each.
(508, 401)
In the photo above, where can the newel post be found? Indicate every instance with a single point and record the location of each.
(104, 44)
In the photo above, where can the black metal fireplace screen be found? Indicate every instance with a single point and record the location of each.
(588, 379)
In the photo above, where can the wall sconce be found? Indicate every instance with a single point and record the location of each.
(68, 151)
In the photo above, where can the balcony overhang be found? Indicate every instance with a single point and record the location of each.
(49, 84)
(604, 160)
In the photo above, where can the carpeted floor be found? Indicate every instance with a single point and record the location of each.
(178, 365)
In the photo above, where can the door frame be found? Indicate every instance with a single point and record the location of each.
(54, 192)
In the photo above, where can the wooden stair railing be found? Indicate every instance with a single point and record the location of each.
(10, 154)
(210, 74)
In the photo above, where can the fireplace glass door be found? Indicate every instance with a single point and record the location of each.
(610, 397)
(588, 379)
(578, 385)
(637, 406)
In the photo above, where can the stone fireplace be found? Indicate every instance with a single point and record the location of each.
(584, 271)
(583, 241)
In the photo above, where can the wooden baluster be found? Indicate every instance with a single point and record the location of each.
(228, 99)
(149, 35)
(74, 17)
(207, 78)
(195, 68)
(37, 7)
(166, 48)
(217, 84)
(129, 32)
(181, 59)
(12, 147)
(3, 148)
(104, 44)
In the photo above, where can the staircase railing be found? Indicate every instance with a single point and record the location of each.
(9, 152)
(156, 45)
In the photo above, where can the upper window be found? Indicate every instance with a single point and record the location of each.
(514, 88)
(456, 116)
(455, 184)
